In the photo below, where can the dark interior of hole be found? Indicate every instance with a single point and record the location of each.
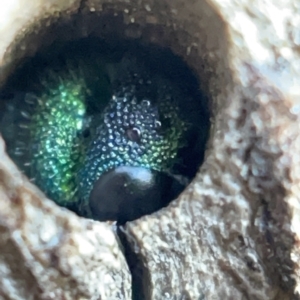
(140, 274)
(156, 59)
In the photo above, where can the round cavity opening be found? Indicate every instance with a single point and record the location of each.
(111, 126)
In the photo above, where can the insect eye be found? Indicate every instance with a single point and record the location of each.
(127, 193)
(133, 134)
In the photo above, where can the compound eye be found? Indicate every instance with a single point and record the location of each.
(127, 193)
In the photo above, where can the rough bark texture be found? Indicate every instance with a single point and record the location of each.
(49, 253)
(234, 232)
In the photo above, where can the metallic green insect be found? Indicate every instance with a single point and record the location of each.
(89, 120)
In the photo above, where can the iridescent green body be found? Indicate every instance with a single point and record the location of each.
(72, 143)
(55, 130)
